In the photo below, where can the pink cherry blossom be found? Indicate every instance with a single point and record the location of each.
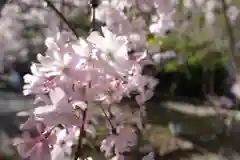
(37, 147)
(74, 77)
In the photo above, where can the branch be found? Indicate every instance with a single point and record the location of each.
(142, 116)
(94, 4)
(93, 28)
(61, 16)
(79, 152)
(108, 119)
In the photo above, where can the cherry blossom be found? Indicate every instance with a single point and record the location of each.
(37, 146)
(124, 141)
(82, 80)
(71, 77)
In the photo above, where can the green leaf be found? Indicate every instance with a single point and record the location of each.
(153, 40)
(170, 66)
(83, 22)
(194, 58)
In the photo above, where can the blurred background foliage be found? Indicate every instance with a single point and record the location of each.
(203, 40)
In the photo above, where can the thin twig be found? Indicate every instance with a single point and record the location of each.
(108, 119)
(82, 133)
(142, 116)
(94, 5)
(93, 19)
(61, 16)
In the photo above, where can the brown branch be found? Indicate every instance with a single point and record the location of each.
(108, 119)
(93, 4)
(82, 133)
(61, 16)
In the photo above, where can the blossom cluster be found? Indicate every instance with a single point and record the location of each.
(137, 18)
(78, 78)
(70, 79)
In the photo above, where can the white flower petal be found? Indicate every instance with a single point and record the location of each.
(44, 60)
(91, 130)
(50, 43)
(95, 38)
(66, 59)
(44, 110)
(80, 104)
(57, 95)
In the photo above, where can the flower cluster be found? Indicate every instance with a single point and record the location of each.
(136, 18)
(73, 79)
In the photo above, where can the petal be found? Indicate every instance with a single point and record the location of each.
(50, 43)
(55, 55)
(35, 69)
(57, 95)
(235, 89)
(108, 34)
(96, 39)
(26, 92)
(23, 150)
(80, 104)
(66, 59)
(91, 130)
(28, 78)
(42, 98)
(58, 153)
(40, 151)
(148, 95)
(45, 60)
(44, 110)
(121, 56)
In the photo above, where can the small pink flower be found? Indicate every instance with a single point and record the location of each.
(35, 147)
(127, 139)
